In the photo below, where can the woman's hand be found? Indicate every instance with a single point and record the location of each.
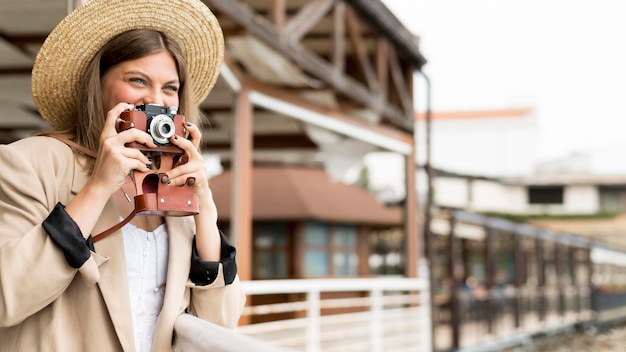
(208, 242)
(192, 163)
(115, 161)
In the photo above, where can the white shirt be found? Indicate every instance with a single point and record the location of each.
(146, 267)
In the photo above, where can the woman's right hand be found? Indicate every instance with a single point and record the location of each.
(114, 160)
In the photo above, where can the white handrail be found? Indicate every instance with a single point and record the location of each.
(192, 334)
(260, 287)
(311, 333)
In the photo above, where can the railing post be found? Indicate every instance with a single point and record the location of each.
(376, 325)
(314, 343)
(425, 300)
(455, 272)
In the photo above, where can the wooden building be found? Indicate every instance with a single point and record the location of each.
(305, 225)
(302, 79)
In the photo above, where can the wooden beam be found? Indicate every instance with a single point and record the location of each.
(278, 13)
(21, 42)
(379, 15)
(268, 142)
(16, 71)
(306, 19)
(361, 52)
(339, 38)
(382, 65)
(291, 98)
(265, 31)
(399, 83)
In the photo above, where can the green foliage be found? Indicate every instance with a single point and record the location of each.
(363, 181)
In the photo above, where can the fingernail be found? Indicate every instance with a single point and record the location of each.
(188, 123)
(165, 179)
(191, 181)
(175, 137)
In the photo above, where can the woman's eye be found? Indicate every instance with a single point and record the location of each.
(172, 88)
(138, 80)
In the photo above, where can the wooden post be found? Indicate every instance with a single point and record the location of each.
(410, 216)
(412, 208)
(241, 219)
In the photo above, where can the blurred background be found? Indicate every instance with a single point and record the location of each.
(404, 175)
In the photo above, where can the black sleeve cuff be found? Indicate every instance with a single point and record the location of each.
(204, 273)
(66, 234)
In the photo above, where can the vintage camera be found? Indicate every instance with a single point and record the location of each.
(160, 122)
(154, 195)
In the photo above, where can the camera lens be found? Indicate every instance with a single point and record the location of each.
(161, 129)
(166, 129)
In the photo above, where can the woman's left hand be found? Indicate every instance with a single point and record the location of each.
(192, 164)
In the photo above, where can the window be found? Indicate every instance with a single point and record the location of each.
(316, 249)
(612, 199)
(545, 195)
(330, 249)
(345, 258)
(270, 250)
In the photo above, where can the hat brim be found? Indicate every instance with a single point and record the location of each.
(65, 54)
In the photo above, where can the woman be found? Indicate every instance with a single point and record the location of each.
(61, 287)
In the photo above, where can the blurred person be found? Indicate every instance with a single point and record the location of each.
(73, 275)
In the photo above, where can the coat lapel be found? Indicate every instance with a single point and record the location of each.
(113, 281)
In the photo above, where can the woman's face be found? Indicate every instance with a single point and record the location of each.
(152, 79)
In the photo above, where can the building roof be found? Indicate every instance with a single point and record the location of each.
(475, 114)
(542, 180)
(300, 193)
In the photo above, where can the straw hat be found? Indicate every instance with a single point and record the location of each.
(64, 56)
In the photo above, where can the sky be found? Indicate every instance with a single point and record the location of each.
(565, 60)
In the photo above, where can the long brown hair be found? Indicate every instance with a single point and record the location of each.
(86, 128)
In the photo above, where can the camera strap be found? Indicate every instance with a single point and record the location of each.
(92, 154)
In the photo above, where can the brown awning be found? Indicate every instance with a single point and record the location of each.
(298, 193)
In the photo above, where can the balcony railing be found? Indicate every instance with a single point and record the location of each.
(377, 314)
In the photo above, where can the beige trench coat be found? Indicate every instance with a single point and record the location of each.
(46, 305)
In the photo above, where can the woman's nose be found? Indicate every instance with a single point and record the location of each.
(155, 98)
